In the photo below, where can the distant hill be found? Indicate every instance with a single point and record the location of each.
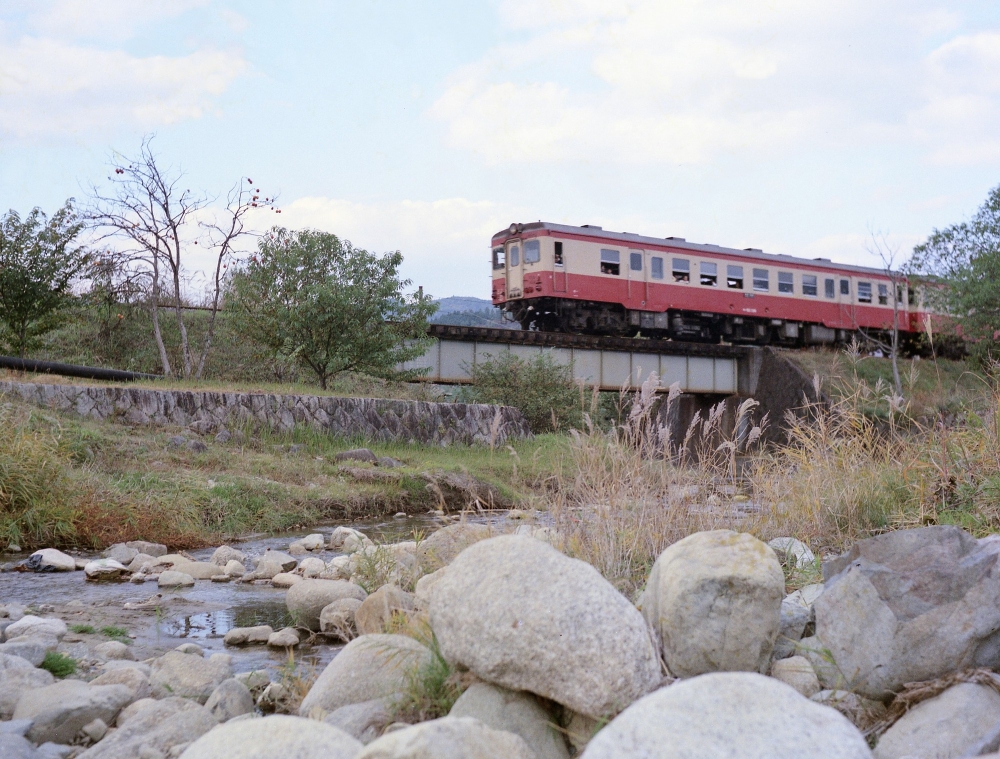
(464, 311)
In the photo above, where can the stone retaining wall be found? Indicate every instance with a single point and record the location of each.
(209, 412)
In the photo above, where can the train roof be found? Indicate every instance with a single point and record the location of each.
(625, 238)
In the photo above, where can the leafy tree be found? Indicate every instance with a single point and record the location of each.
(38, 264)
(314, 298)
(542, 389)
(961, 268)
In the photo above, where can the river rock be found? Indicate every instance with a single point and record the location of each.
(233, 568)
(515, 712)
(173, 579)
(728, 714)
(50, 560)
(424, 586)
(121, 553)
(245, 636)
(792, 552)
(255, 681)
(448, 738)
(286, 562)
(32, 626)
(365, 721)
(142, 562)
(376, 611)
(106, 570)
(348, 540)
(518, 613)
(150, 549)
(31, 648)
(276, 737)
(305, 600)
(338, 618)
(225, 554)
(230, 699)
(18, 675)
(95, 730)
(13, 746)
(312, 567)
(113, 649)
(154, 730)
(285, 580)
(948, 725)
(59, 710)
(188, 675)
(792, 624)
(714, 598)
(199, 570)
(284, 638)
(440, 548)
(314, 542)
(132, 678)
(797, 672)
(909, 606)
(369, 667)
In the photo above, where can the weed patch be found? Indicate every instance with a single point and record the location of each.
(59, 664)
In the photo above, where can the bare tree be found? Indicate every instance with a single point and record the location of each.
(155, 221)
(888, 254)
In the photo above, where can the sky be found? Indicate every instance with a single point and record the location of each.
(792, 126)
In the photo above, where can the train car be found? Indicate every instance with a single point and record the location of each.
(585, 280)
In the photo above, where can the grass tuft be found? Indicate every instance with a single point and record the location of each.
(82, 629)
(59, 664)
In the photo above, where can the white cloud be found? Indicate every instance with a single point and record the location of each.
(108, 19)
(48, 86)
(682, 81)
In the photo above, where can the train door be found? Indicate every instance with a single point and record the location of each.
(558, 268)
(515, 270)
(656, 293)
(636, 278)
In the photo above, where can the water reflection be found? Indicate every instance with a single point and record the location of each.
(215, 624)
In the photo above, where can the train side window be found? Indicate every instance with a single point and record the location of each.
(681, 270)
(864, 292)
(656, 267)
(709, 273)
(761, 281)
(883, 295)
(828, 289)
(532, 252)
(499, 258)
(559, 255)
(845, 287)
(635, 260)
(899, 293)
(734, 277)
(786, 282)
(515, 255)
(911, 296)
(610, 262)
(809, 285)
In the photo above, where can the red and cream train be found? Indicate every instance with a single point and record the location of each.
(559, 278)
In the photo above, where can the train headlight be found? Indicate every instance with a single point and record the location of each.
(514, 228)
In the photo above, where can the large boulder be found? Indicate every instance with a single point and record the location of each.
(909, 606)
(518, 613)
(18, 675)
(50, 560)
(131, 677)
(714, 598)
(348, 540)
(58, 711)
(728, 714)
(948, 725)
(515, 712)
(376, 611)
(32, 626)
(441, 547)
(188, 675)
(369, 667)
(154, 730)
(448, 738)
(305, 600)
(276, 737)
(225, 554)
(105, 570)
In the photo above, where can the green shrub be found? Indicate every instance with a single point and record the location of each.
(543, 390)
(81, 629)
(58, 664)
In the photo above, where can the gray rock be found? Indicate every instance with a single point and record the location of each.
(441, 547)
(338, 619)
(305, 600)
(52, 750)
(131, 678)
(515, 712)
(51, 560)
(728, 714)
(32, 649)
(284, 638)
(150, 549)
(794, 619)
(945, 726)
(276, 737)
(369, 667)
(16, 747)
(245, 636)
(197, 446)
(154, 730)
(518, 613)
(714, 598)
(177, 441)
(132, 709)
(282, 559)
(285, 580)
(33, 626)
(356, 454)
(312, 567)
(805, 596)
(18, 675)
(187, 675)
(234, 568)
(106, 570)
(95, 730)
(230, 699)
(365, 721)
(348, 540)
(424, 586)
(797, 672)
(909, 606)
(15, 727)
(59, 710)
(862, 712)
(199, 570)
(376, 611)
(173, 579)
(122, 553)
(223, 436)
(255, 681)
(792, 552)
(448, 738)
(113, 649)
(225, 554)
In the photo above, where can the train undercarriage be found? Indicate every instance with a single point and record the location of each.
(596, 318)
